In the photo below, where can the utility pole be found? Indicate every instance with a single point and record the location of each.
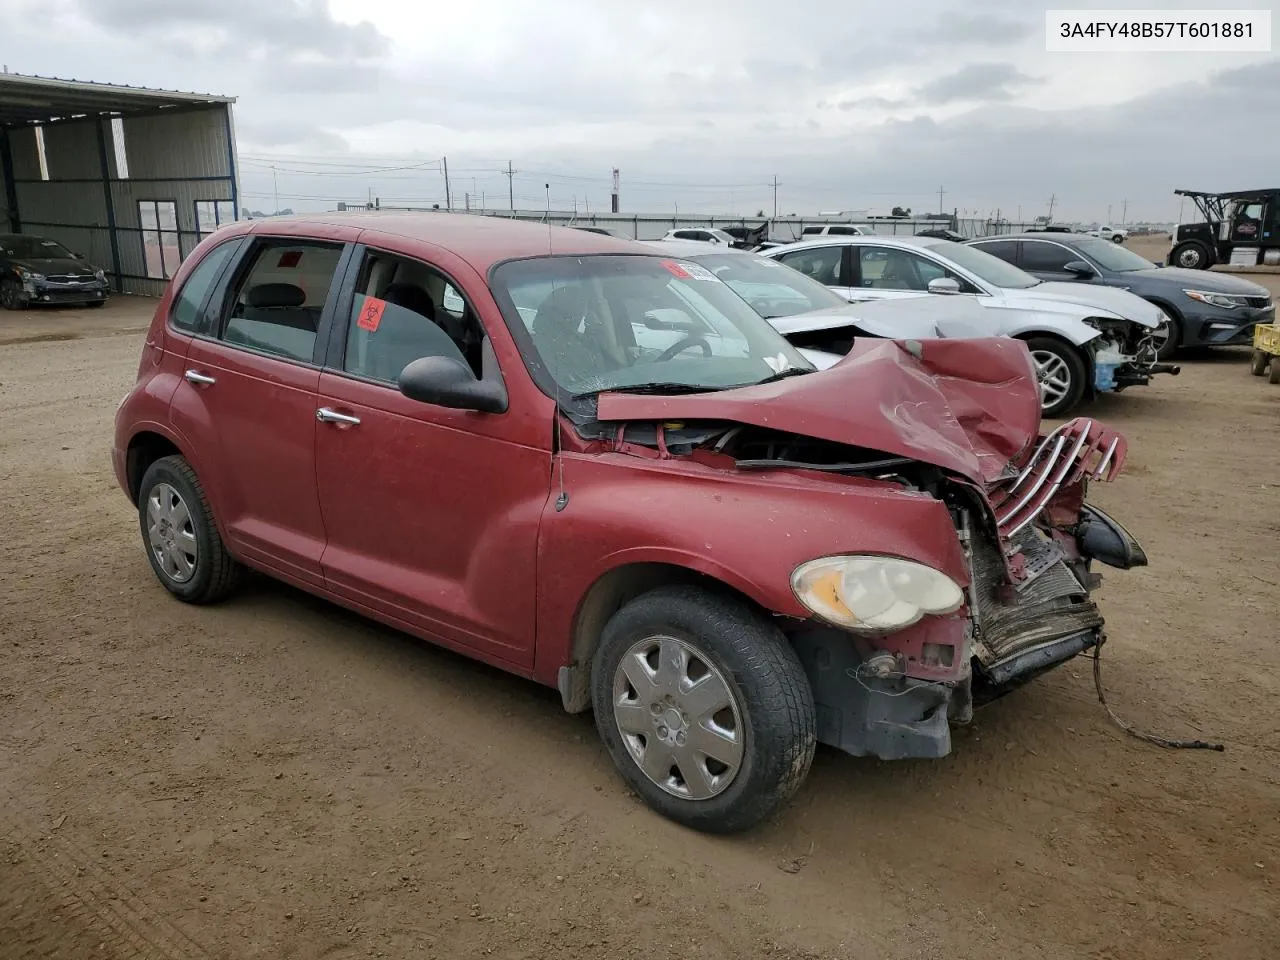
(1052, 200)
(276, 186)
(1124, 212)
(548, 186)
(775, 196)
(467, 201)
(940, 193)
(511, 197)
(448, 197)
(1108, 214)
(615, 190)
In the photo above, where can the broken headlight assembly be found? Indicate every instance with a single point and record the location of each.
(873, 594)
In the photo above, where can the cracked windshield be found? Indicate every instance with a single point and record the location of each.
(637, 323)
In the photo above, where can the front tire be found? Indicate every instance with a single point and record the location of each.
(1169, 335)
(704, 707)
(1258, 363)
(1273, 376)
(181, 540)
(11, 295)
(1191, 255)
(1061, 372)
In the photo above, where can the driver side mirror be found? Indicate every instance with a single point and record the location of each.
(946, 285)
(1079, 268)
(448, 382)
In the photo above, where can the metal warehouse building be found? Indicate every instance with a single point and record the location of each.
(132, 178)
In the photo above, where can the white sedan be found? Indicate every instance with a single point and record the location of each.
(1084, 339)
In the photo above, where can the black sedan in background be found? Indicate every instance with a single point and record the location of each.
(35, 270)
(1205, 309)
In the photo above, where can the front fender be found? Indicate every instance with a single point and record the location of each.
(1072, 329)
(747, 530)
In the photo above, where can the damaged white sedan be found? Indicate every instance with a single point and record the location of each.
(1085, 339)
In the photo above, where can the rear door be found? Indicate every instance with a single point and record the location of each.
(248, 401)
(830, 265)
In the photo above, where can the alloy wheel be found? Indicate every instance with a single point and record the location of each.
(1054, 376)
(678, 718)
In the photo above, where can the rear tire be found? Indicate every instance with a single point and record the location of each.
(1258, 363)
(1062, 372)
(182, 542)
(1191, 255)
(1274, 375)
(680, 668)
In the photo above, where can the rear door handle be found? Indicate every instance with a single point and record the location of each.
(194, 376)
(327, 415)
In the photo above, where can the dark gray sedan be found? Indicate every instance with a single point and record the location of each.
(1205, 309)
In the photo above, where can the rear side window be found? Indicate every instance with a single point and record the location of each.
(185, 313)
(276, 306)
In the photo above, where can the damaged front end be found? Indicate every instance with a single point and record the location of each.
(1030, 542)
(1125, 354)
(956, 423)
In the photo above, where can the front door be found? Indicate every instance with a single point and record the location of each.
(431, 513)
(249, 398)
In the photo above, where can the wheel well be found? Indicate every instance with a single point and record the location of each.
(144, 450)
(606, 597)
(1167, 307)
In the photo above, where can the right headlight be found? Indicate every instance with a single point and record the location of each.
(1230, 301)
(874, 594)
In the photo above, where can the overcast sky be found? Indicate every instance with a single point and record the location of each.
(700, 103)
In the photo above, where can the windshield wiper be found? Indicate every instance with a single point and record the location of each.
(782, 375)
(653, 387)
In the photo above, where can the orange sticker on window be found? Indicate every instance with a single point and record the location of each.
(371, 314)
(675, 269)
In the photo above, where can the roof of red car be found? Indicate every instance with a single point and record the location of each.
(481, 241)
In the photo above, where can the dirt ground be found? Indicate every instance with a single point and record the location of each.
(276, 778)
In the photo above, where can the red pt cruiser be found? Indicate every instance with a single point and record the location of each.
(598, 467)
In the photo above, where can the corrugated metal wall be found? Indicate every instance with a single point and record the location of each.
(178, 158)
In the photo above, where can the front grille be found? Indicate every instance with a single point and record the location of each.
(1258, 301)
(1077, 449)
(1053, 605)
(71, 278)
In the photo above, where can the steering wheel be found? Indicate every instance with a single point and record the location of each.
(683, 344)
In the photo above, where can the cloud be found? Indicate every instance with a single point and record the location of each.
(295, 28)
(976, 82)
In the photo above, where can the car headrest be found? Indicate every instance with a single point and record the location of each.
(276, 295)
(411, 298)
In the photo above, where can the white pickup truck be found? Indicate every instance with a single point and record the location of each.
(1115, 234)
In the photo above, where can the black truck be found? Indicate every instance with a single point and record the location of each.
(1240, 227)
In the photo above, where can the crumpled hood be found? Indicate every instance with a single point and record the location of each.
(968, 406)
(1128, 305)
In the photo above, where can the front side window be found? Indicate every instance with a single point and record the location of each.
(597, 323)
(185, 314)
(160, 251)
(772, 288)
(1006, 250)
(404, 311)
(277, 303)
(823, 264)
(1045, 256)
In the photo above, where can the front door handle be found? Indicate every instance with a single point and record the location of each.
(194, 376)
(326, 415)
